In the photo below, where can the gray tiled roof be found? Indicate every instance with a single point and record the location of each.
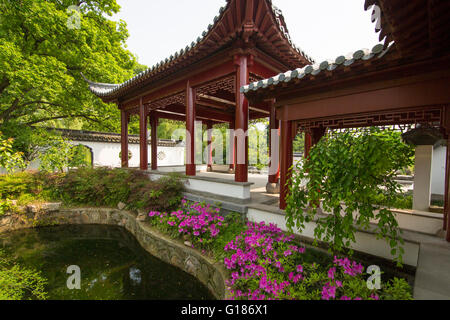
(106, 137)
(313, 70)
(105, 90)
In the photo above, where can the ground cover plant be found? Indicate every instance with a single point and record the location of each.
(264, 263)
(99, 187)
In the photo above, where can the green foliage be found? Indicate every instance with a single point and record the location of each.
(58, 154)
(350, 173)
(163, 194)
(101, 187)
(41, 61)
(397, 289)
(299, 143)
(234, 225)
(258, 141)
(54, 152)
(19, 283)
(9, 159)
(6, 206)
(81, 157)
(108, 187)
(22, 186)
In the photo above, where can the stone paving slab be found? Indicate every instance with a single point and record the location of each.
(433, 271)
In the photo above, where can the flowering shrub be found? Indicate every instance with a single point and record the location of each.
(266, 264)
(198, 222)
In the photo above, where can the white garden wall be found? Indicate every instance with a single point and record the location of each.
(107, 154)
(438, 171)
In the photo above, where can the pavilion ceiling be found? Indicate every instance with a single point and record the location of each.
(253, 23)
(215, 101)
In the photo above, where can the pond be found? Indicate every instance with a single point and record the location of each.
(113, 265)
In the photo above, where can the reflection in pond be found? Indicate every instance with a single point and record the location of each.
(113, 265)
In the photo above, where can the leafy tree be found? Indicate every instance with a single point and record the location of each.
(42, 55)
(350, 173)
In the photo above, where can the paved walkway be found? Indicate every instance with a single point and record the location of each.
(432, 280)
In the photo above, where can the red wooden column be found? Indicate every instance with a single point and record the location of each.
(312, 137)
(273, 185)
(191, 169)
(308, 143)
(124, 138)
(241, 123)
(154, 139)
(209, 128)
(232, 149)
(143, 136)
(287, 159)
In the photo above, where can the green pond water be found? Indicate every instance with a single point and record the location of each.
(113, 265)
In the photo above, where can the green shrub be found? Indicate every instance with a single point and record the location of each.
(108, 187)
(349, 173)
(100, 187)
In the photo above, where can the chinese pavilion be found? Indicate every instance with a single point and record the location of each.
(248, 41)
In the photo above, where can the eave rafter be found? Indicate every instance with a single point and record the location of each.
(418, 28)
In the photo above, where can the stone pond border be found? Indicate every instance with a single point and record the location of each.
(208, 271)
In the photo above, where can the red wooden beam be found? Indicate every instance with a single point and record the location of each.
(201, 113)
(170, 116)
(259, 69)
(413, 95)
(164, 90)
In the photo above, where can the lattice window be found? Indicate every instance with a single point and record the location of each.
(432, 116)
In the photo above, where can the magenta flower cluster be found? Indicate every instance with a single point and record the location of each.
(200, 221)
(257, 254)
(346, 267)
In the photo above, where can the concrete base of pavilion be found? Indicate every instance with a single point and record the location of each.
(427, 254)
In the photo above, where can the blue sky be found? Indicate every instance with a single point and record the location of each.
(324, 29)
